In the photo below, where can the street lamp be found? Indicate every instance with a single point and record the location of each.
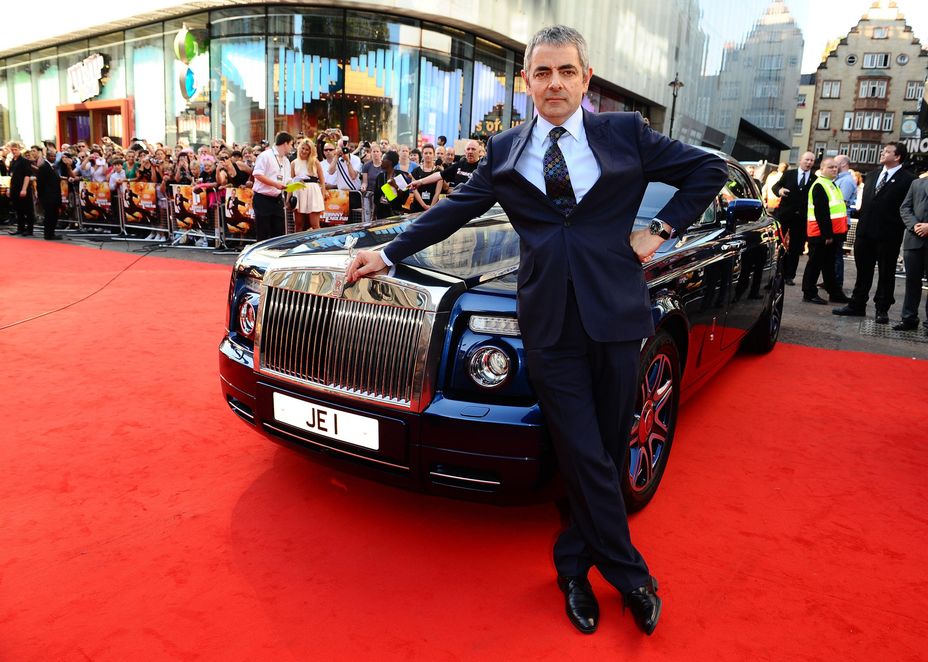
(676, 84)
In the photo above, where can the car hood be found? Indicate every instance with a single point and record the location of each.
(484, 250)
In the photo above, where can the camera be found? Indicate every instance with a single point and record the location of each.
(345, 150)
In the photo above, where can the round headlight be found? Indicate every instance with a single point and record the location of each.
(247, 314)
(489, 367)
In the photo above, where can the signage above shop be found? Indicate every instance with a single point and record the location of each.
(85, 76)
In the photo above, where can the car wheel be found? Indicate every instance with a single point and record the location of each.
(763, 337)
(655, 421)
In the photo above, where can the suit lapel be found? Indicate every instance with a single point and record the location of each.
(515, 151)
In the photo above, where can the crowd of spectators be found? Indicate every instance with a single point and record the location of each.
(389, 178)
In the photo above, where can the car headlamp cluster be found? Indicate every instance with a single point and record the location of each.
(489, 366)
(247, 314)
(500, 326)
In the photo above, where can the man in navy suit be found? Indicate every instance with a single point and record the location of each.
(793, 189)
(571, 183)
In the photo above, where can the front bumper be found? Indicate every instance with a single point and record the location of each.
(455, 448)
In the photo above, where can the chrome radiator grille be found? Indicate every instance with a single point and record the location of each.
(362, 348)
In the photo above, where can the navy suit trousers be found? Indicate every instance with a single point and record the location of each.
(587, 391)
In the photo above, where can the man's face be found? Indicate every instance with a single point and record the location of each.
(888, 157)
(15, 151)
(829, 169)
(807, 160)
(329, 151)
(472, 151)
(556, 81)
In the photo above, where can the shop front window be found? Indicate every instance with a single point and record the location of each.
(113, 82)
(22, 120)
(520, 99)
(490, 105)
(445, 75)
(238, 54)
(145, 67)
(381, 88)
(306, 71)
(187, 69)
(45, 87)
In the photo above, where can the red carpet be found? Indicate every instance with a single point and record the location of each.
(139, 519)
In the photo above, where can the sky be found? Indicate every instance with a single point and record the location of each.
(820, 20)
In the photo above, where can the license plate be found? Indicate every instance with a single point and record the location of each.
(331, 423)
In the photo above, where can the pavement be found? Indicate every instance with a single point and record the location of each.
(803, 323)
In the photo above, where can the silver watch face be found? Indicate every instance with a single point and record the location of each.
(656, 227)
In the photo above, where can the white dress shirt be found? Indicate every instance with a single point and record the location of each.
(273, 166)
(889, 173)
(581, 162)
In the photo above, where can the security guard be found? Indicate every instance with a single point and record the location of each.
(826, 226)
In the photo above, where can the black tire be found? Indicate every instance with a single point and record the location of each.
(655, 421)
(763, 337)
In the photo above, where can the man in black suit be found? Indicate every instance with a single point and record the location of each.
(793, 191)
(48, 190)
(914, 213)
(21, 176)
(571, 183)
(879, 234)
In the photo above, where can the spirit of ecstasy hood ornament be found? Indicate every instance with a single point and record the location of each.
(340, 283)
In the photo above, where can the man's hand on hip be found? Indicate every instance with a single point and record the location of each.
(365, 263)
(644, 244)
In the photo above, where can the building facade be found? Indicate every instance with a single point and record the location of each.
(802, 123)
(865, 85)
(240, 71)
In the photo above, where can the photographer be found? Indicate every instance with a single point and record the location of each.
(92, 166)
(182, 171)
(346, 167)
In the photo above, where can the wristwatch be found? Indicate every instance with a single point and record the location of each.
(656, 226)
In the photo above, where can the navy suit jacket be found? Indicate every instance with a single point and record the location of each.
(591, 244)
(879, 218)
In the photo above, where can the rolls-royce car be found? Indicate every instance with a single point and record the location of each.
(417, 377)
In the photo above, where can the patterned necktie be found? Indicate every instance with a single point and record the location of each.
(557, 179)
(805, 179)
(880, 184)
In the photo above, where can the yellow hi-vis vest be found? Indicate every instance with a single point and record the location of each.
(836, 207)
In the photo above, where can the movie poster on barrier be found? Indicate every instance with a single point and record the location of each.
(337, 207)
(140, 205)
(96, 204)
(240, 215)
(190, 211)
(64, 209)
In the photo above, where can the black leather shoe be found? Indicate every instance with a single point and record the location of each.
(645, 606)
(881, 317)
(905, 326)
(815, 299)
(790, 282)
(55, 238)
(580, 603)
(840, 297)
(848, 311)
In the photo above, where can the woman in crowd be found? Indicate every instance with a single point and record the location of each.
(309, 201)
(369, 172)
(145, 172)
(132, 165)
(427, 195)
(404, 162)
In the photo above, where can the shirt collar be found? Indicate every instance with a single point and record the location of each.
(573, 124)
(891, 171)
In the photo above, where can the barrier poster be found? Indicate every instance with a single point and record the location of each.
(337, 207)
(140, 205)
(96, 204)
(64, 209)
(190, 210)
(239, 214)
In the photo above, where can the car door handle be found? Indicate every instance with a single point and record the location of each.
(733, 245)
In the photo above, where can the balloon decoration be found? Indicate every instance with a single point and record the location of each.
(188, 45)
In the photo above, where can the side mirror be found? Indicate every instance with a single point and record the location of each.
(743, 210)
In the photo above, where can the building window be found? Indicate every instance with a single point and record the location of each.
(864, 152)
(766, 90)
(831, 89)
(881, 33)
(902, 59)
(771, 62)
(914, 89)
(797, 127)
(848, 121)
(725, 119)
(818, 148)
(731, 90)
(824, 119)
(794, 155)
(873, 89)
(876, 60)
(801, 101)
(888, 121)
(843, 148)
